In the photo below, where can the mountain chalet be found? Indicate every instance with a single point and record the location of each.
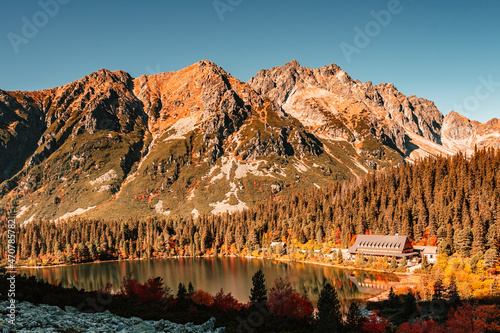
(386, 246)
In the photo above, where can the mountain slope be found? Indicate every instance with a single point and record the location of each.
(199, 140)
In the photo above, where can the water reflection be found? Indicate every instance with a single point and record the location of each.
(211, 274)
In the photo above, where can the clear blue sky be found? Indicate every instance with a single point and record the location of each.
(438, 50)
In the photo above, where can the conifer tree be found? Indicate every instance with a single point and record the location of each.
(393, 299)
(181, 291)
(354, 320)
(258, 292)
(410, 309)
(403, 263)
(438, 289)
(329, 318)
(425, 264)
(490, 258)
(340, 257)
(495, 287)
(453, 295)
(463, 241)
(394, 263)
(190, 289)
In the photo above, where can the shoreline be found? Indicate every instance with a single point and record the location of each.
(404, 279)
(351, 268)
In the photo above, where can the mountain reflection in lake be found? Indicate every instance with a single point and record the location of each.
(232, 274)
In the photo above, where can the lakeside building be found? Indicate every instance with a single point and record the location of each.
(384, 246)
(429, 252)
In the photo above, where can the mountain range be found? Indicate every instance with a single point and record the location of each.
(199, 140)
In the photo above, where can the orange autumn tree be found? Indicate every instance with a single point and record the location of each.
(202, 297)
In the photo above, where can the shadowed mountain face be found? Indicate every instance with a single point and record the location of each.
(199, 140)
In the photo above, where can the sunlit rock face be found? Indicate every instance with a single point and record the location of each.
(200, 141)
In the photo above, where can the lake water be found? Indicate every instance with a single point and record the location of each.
(211, 274)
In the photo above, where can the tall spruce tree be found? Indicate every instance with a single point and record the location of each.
(340, 258)
(181, 291)
(190, 289)
(329, 318)
(438, 289)
(394, 263)
(355, 320)
(410, 309)
(258, 292)
(453, 295)
(393, 299)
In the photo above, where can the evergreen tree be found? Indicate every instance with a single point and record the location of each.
(393, 299)
(190, 289)
(258, 292)
(475, 259)
(354, 320)
(463, 241)
(329, 318)
(453, 294)
(411, 309)
(495, 287)
(403, 263)
(444, 247)
(490, 258)
(425, 264)
(181, 291)
(394, 263)
(340, 258)
(438, 289)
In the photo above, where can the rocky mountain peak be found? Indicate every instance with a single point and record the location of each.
(463, 134)
(292, 64)
(199, 140)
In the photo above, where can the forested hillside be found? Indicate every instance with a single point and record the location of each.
(448, 201)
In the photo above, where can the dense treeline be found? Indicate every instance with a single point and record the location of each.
(451, 202)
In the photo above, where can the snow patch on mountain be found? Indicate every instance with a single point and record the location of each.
(76, 212)
(111, 174)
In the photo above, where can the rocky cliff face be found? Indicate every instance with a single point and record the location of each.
(199, 140)
(327, 100)
(460, 133)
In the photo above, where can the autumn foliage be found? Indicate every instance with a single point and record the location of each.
(421, 326)
(225, 302)
(375, 323)
(201, 297)
(469, 318)
(285, 302)
(151, 292)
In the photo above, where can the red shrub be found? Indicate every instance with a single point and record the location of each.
(468, 318)
(202, 297)
(107, 289)
(429, 326)
(375, 323)
(285, 302)
(226, 302)
(151, 291)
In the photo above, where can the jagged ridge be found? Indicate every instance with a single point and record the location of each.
(199, 140)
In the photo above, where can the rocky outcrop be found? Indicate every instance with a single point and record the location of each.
(47, 318)
(460, 133)
(22, 123)
(328, 101)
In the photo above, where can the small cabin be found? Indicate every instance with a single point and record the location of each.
(429, 252)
